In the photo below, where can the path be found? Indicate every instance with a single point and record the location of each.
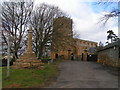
(78, 74)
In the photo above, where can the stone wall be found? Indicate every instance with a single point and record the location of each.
(62, 37)
(62, 34)
(109, 55)
(77, 50)
(82, 45)
(61, 54)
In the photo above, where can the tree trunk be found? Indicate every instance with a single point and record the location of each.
(40, 52)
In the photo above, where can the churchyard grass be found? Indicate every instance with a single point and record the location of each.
(26, 78)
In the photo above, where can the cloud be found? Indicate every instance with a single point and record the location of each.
(84, 18)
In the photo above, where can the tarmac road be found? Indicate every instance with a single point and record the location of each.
(78, 74)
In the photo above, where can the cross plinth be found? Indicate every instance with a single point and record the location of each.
(28, 59)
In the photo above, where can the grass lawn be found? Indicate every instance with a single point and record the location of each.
(30, 78)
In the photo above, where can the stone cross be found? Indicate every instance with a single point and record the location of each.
(28, 59)
(29, 48)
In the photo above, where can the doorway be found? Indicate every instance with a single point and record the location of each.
(72, 56)
(82, 56)
(56, 55)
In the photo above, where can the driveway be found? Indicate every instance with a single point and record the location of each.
(78, 74)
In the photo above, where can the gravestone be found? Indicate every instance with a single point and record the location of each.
(28, 59)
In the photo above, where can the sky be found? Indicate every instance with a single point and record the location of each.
(86, 15)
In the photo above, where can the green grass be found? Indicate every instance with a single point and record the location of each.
(26, 78)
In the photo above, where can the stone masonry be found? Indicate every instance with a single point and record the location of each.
(110, 54)
(28, 59)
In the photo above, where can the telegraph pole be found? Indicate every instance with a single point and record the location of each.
(8, 57)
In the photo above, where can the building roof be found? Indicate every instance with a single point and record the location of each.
(85, 40)
(111, 45)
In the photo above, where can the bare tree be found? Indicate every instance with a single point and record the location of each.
(42, 23)
(15, 19)
(114, 11)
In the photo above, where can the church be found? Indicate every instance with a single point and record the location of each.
(65, 46)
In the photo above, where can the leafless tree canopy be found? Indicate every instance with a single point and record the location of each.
(15, 19)
(42, 23)
(113, 13)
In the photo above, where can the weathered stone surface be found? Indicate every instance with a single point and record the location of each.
(110, 54)
(26, 63)
(67, 47)
(28, 59)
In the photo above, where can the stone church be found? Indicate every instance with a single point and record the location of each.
(64, 45)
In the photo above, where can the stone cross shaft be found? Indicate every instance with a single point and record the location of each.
(28, 60)
(29, 48)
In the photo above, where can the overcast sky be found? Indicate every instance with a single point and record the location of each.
(85, 16)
